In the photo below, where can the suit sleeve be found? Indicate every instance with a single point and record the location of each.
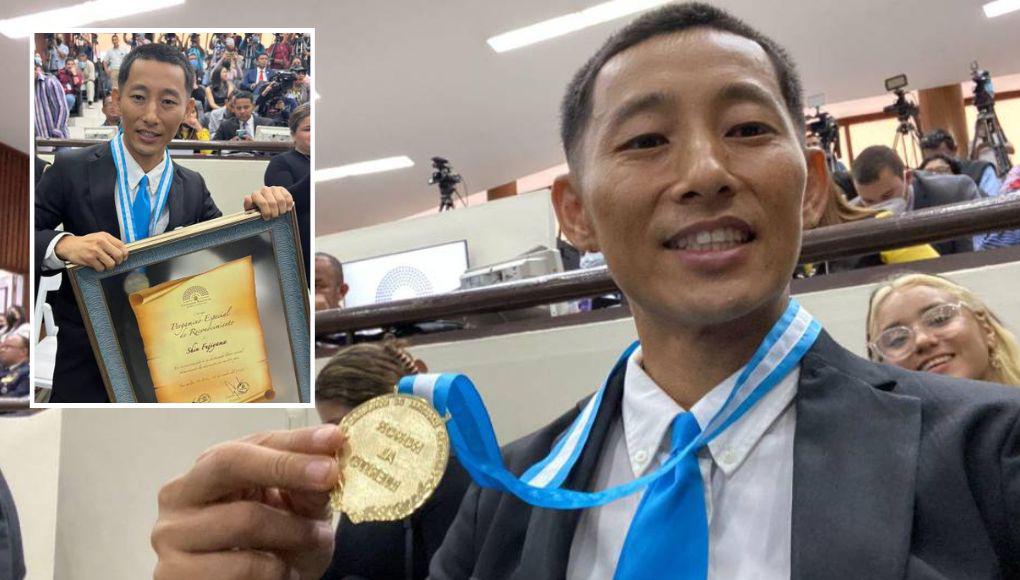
(277, 173)
(50, 206)
(1011, 486)
(222, 133)
(455, 559)
(209, 209)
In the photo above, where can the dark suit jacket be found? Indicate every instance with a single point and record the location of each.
(228, 128)
(78, 192)
(896, 475)
(12, 557)
(934, 190)
(251, 77)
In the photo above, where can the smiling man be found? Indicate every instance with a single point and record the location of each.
(83, 192)
(683, 135)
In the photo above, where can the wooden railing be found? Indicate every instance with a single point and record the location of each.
(824, 244)
(190, 144)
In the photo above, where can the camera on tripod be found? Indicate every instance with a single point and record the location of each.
(282, 82)
(447, 179)
(908, 137)
(984, 93)
(903, 108)
(988, 133)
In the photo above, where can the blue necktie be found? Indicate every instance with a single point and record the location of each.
(141, 209)
(668, 537)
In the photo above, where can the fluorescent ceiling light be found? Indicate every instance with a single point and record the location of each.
(570, 23)
(79, 15)
(374, 166)
(1000, 7)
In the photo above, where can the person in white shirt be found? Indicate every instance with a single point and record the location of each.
(684, 136)
(88, 73)
(113, 59)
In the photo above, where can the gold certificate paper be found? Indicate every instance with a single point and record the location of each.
(203, 338)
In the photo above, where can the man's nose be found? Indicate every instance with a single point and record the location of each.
(700, 163)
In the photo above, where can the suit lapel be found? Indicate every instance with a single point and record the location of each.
(102, 188)
(855, 459)
(176, 201)
(546, 549)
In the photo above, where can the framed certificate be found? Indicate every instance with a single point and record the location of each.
(216, 312)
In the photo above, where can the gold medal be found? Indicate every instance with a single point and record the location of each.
(396, 454)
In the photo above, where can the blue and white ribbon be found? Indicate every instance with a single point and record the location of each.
(124, 188)
(474, 439)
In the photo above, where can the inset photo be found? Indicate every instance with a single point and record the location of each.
(171, 210)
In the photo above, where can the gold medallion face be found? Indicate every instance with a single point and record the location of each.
(396, 454)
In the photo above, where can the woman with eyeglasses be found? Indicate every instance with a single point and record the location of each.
(927, 323)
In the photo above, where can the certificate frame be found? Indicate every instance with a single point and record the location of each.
(286, 248)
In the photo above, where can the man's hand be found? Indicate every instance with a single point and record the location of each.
(270, 200)
(245, 138)
(99, 251)
(252, 509)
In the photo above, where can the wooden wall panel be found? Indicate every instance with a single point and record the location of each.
(13, 210)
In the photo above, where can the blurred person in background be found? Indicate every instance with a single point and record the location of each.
(70, 79)
(12, 555)
(51, 110)
(88, 77)
(111, 112)
(983, 173)
(219, 89)
(216, 117)
(941, 164)
(928, 323)
(292, 169)
(14, 380)
(384, 550)
(330, 288)
(114, 57)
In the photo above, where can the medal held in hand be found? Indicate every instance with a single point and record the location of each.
(396, 453)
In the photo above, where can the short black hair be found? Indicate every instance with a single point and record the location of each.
(161, 53)
(937, 137)
(869, 164)
(300, 114)
(244, 95)
(954, 165)
(336, 265)
(575, 110)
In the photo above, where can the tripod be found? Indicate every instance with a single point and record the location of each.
(907, 142)
(988, 133)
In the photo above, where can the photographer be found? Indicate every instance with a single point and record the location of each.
(58, 52)
(273, 100)
(279, 53)
(940, 142)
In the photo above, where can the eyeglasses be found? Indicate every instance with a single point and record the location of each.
(899, 341)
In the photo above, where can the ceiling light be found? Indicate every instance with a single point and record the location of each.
(79, 15)
(570, 23)
(374, 166)
(1000, 7)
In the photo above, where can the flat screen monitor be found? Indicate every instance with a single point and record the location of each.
(410, 274)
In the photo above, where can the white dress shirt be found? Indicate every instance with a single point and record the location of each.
(747, 473)
(134, 178)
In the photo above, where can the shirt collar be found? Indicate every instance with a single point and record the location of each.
(648, 414)
(135, 173)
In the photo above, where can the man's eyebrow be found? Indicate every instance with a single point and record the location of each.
(637, 106)
(747, 92)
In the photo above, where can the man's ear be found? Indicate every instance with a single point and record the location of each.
(572, 215)
(343, 290)
(817, 190)
(115, 95)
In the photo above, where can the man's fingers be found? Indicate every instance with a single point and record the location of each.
(116, 251)
(322, 440)
(222, 566)
(244, 525)
(237, 466)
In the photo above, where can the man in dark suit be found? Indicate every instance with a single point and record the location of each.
(884, 182)
(241, 127)
(259, 74)
(80, 192)
(14, 357)
(684, 136)
(12, 556)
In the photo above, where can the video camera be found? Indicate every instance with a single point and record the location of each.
(984, 92)
(282, 82)
(444, 176)
(903, 108)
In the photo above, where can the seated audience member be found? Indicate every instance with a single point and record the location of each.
(192, 129)
(330, 288)
(382, 550)
(258, 75)
(241, 126)
(70, 80)
(51, 110)
(1002, 239)
(835, 210)
(80, 191)
(111, 111)
(88, 77)
(216, 117)
(983, 173)
(290, 167)
(14, 357)
(883, 182)
(928, 323)
(219, 90)
(15, 323)
(12, 555)
(941, 164)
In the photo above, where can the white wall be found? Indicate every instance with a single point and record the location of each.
(494, 231)
(228, 180)
(30, 459)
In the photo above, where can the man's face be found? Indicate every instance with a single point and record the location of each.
(327, 284)
(111, 111)
(303, 136)
(13, 351)
(243, 109)
(152, 106)
(116, 40)
(889, 185)
(263, 60)
(69, 65)
(691, 178)
(942, 149)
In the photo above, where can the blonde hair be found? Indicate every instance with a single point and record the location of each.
(1004, 354)
(838, 210)
(364, 371)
